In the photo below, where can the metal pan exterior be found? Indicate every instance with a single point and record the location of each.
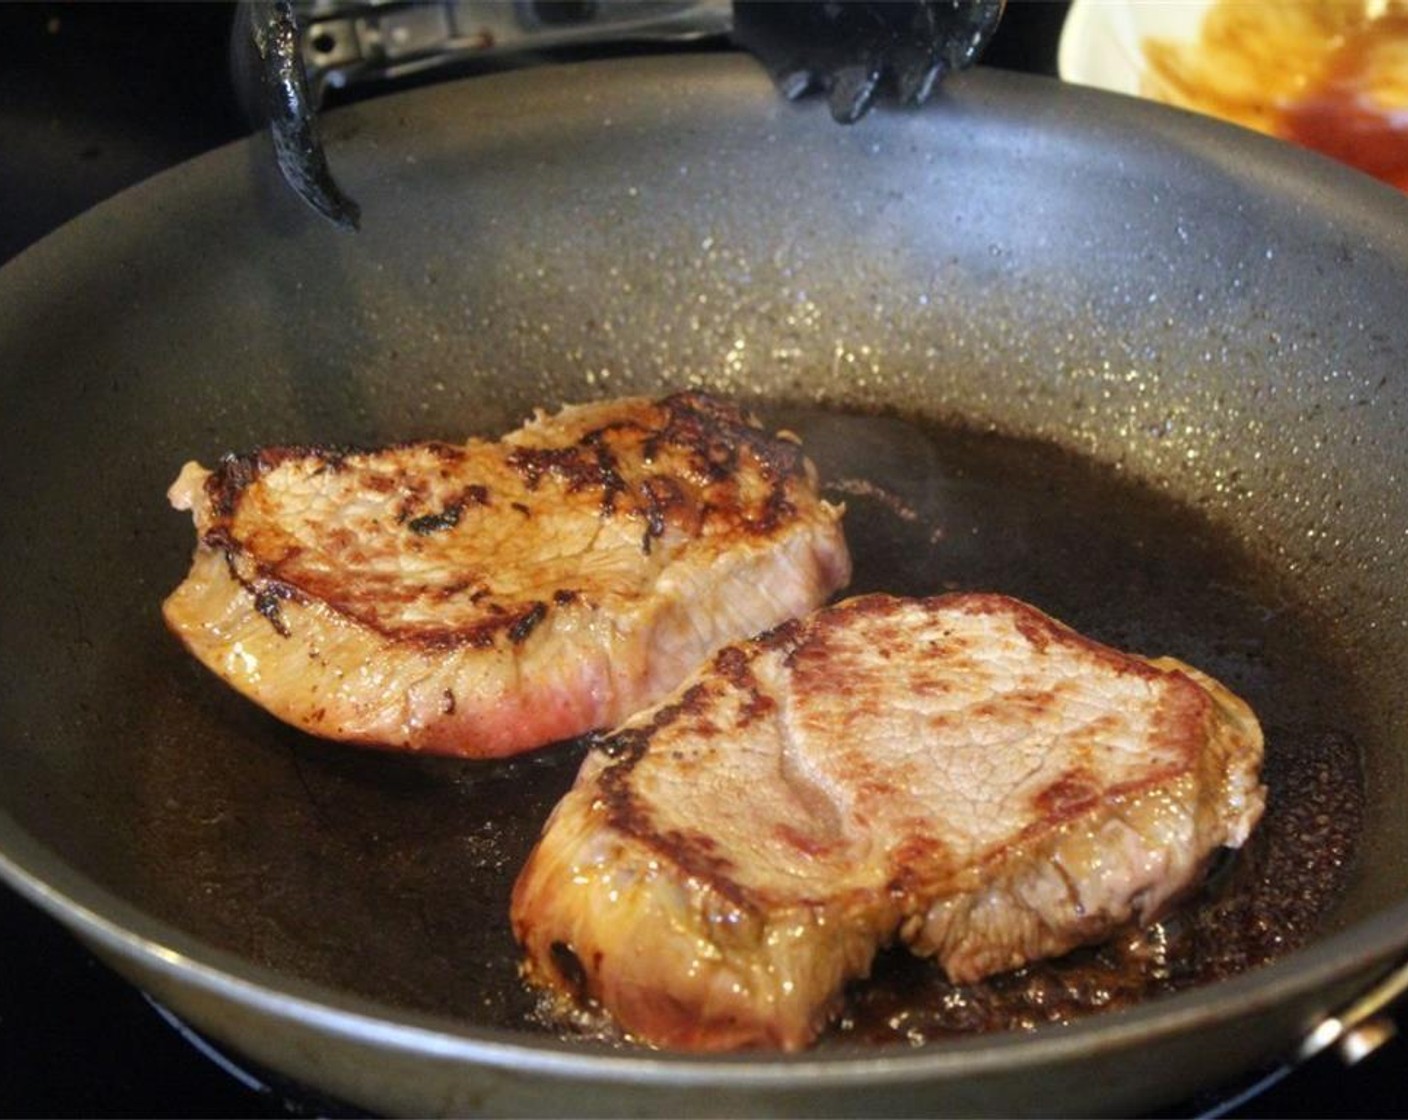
(1053, 262)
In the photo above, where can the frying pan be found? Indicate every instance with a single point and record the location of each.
(1210, 322)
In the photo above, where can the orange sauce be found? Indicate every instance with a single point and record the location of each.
(1330, 75)
(1339, 115)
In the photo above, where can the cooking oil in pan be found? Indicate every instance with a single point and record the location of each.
(934, 508)
(931, 509)
(389, 877)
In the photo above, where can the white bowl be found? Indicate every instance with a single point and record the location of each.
(1101, 39)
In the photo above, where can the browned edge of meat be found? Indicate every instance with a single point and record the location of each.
(488, 598)
(962, 775)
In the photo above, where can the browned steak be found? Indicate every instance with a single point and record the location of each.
(487, 598)
(960, 774)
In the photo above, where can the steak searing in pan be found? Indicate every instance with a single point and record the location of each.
(963, 775)
(489, 598)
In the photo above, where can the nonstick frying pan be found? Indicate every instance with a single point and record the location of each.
(1142, 368)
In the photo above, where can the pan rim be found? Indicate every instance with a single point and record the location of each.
(156, 947)
(162, 948)
(1277, 168)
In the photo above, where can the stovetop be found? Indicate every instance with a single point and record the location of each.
(96, 97)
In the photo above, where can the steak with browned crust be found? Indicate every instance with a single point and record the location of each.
(486, 598)
(962, 775)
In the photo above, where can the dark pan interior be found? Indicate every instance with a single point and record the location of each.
(1178, 376)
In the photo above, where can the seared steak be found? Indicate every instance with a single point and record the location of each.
(962, 774)
(487, 598)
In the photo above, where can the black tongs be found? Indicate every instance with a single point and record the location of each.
(852, 51)
(270, 27)
(855, 52)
